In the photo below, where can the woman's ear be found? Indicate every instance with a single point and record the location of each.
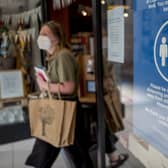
(56, 41)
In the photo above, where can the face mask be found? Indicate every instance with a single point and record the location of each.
(44, 42)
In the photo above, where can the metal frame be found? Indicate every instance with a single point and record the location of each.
(97, 26)
(45, 18)
(44, 10)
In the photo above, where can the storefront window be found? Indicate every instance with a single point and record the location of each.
(137, 48)
(19, 27)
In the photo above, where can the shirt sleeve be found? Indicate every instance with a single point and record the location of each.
(66, 68)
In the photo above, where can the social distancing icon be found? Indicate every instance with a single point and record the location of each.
(161, 51)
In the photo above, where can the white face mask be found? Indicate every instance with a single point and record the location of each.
(44, 43)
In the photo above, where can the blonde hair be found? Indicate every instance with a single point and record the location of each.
(58, 32)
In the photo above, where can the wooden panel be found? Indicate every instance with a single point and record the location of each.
(88, 99)
(16, 101)
(84, 95)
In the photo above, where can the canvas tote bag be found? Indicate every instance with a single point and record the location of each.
(53, 120)
(113, 113)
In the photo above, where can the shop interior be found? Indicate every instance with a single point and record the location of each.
(19, 54)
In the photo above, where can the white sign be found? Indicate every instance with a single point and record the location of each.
(116, 35)
(11, 84)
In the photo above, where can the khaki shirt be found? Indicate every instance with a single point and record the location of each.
(62, 67)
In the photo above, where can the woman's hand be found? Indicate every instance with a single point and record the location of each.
(43, 85)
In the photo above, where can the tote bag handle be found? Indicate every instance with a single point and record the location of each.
(49, 93)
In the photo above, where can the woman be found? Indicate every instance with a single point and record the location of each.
(111, 139)
(63, 74)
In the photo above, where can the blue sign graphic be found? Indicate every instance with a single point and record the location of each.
(150, 111)
(161, 51)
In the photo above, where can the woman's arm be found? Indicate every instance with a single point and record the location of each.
(64, 88)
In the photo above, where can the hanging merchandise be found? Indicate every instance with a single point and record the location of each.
(6, 19)
(58, 4)
(39, 14)
(16, 50)
(14, 20)
(7, 50)
(24, 17)
(24, 41)
(4, 44)
(24, 21)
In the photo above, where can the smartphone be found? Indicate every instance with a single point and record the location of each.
(42, 73)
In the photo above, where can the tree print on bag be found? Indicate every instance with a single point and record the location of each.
(47, 117)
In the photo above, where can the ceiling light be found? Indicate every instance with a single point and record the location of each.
(103, 2)
(125, 14)
(84, 13)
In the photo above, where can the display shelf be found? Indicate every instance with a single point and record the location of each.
(15, 101)
(14, 132)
